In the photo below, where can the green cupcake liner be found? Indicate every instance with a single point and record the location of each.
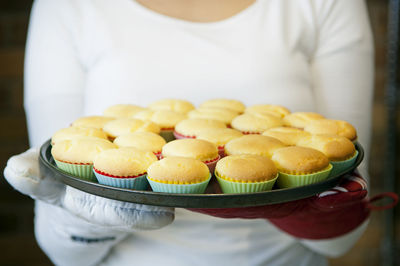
(288, 180)
(83, 171)
(239, 187)
(168, 135)
(340, 166)
(198, 188)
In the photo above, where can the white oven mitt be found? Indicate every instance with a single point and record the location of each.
(78, 217)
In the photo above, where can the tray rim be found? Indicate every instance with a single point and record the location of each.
(191, 200)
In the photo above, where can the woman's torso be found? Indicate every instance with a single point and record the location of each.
(260, 55)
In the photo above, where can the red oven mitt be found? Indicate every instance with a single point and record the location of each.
(326, 215)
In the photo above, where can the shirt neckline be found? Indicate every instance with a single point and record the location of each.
(168, 19)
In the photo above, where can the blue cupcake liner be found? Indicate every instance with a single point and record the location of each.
(137, 183)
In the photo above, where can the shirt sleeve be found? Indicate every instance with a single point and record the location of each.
(342, 71)
(342, 67)
(54, 87)
(54, 77)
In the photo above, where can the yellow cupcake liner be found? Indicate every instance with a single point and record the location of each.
(228, 186)
(286, 180)
(341, 166)
(197, 188)
(83, 171)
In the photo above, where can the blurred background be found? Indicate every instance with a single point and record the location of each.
(17, 242)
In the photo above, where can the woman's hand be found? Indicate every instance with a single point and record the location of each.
(329, 214)
(74, 227)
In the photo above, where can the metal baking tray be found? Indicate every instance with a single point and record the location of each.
(211, 199)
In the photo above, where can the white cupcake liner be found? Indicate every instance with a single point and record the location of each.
(198, 188)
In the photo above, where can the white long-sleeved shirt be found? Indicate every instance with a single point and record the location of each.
(308, 55)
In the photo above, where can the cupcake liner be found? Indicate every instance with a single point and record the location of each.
(198, 188)
(239, 187)
(211, 165)
(340, 166)
(180, 136)
(288, 180)
(137, 183)
(221, 151)
(83, 171)
(168, 135)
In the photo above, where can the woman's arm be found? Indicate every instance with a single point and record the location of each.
(54, 85)
(54, 76)
(342, 71)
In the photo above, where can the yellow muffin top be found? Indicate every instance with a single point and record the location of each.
(177, 105)
(214, 113)
(178, 170)
(147, 141)
(192, 126)
(278, 110)
(163, 118)
(122, 110)
(219, 136)
(255, 123)
(288, 135)
(246, 168)
(253, 144)
(336, 148)
(123, 162)
(299, 160)
(230, 104)
(332, 127)
(80, 150)
(95, 121)
(121, 126)
(191, 148)
(300, 119)
(72, 132)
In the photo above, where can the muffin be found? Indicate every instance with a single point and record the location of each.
(230, 104)
(268, 109)
(75, 156)
(300, 119)
(299, 166)
(146, 141)
(189, 128)
(124, 167)
(255, 123)
(92, 121)
(288, 135)
(245, 173)
(339, 150)
(180, 106)
(332, 127)
(122, 110)
(220, 114)
(178, 175)
(73, 132)
(123, 126)
(219, 136)
(202, 150)
(165, 119)
(253, 144)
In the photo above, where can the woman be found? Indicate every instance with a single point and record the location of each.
(83, 56)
